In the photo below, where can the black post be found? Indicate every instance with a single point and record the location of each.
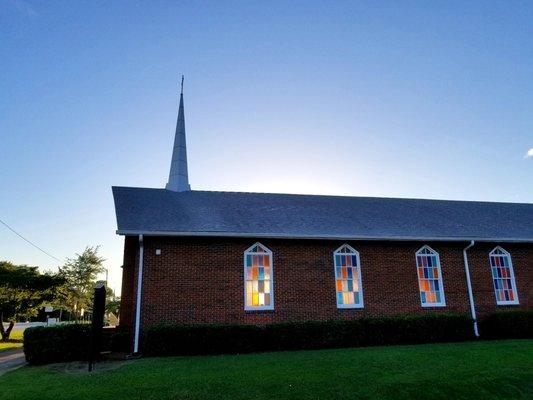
(97, 324)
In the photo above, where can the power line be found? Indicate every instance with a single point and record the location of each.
(28, 241)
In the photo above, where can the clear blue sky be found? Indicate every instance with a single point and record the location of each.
(397, 99)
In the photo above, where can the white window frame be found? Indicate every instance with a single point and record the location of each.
(442, 303)
(359, 275)
(511, 273)
(269, 252)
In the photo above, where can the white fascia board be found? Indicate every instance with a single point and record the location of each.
(126, 232)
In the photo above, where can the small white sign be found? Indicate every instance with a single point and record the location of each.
(48, 309)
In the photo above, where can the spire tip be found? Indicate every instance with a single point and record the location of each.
(182, 77)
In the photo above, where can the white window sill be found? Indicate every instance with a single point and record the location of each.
(259, 308)
(348, 307)
(430, 305)
(507, 303)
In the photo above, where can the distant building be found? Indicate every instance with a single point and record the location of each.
(259, 258)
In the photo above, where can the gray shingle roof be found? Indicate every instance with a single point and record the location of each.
(163, 212)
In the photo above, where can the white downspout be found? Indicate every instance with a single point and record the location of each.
(469, 285)
(139, 289)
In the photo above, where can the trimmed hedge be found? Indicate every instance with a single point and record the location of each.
(58, 343)
(507, 325)
(61, 343)
(121, 340)
(166, 340)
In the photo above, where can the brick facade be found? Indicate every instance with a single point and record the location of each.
(200, 280)
(127, 299)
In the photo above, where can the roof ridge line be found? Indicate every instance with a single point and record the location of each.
(323, 195)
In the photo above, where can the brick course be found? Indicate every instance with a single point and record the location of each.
(200, 280)
(127, 299)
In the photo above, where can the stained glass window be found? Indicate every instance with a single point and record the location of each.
(503, 277)
(258, 278)
(429, 278)
(349, 290)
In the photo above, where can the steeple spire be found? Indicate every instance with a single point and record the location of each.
(178, 179)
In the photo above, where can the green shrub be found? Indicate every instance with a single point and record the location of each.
(161, 340)
(120, 340)
(69, 342)
(59, 343)
(108, 333)
(370, 332)
(507, 325)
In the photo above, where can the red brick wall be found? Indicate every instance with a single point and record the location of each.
(129, 272)
(200, 280)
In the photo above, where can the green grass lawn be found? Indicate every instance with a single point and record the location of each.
(17, 341)
(480, 370)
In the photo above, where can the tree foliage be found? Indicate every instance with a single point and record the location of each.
(112, 302)
(80, 275)
(23, 291)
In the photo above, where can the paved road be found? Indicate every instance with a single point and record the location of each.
(21, 326)
(11, 359)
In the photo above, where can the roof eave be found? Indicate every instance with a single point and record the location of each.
(127, 232)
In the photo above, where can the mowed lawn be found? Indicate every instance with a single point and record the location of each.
(480, 370)
(16, 336)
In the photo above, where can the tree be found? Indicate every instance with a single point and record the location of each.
(112, 302)
(112, 306)
(80, 275)
(23, 291)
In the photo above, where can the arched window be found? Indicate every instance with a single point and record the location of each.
(429, 278)
(348, 285)
(258, 277)
(503, 277)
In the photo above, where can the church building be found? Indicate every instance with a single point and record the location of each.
(207, 257)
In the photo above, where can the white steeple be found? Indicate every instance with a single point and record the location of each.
(178, 179)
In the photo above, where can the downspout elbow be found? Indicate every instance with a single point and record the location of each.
(472, 243)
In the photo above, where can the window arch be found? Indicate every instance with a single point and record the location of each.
(429, 278)
(503, 277)
(258, 278)
(349, 289)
